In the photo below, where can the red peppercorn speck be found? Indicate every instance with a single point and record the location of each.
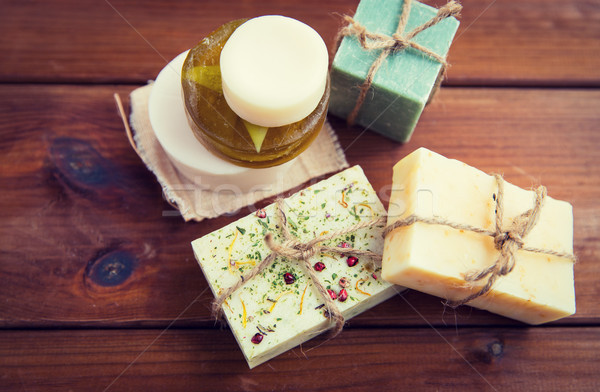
(257, 338)
(352, 261)
(289, 278)
(332, 294)
(319, 266)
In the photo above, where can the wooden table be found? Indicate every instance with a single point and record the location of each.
(100, 290)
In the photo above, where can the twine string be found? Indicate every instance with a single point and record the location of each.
(391, 44)
(506, 240)
(133, 144)
(293, 249)
(123, 116)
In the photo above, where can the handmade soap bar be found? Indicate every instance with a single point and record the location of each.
(404, 82)
(434, 258)
(281, 308)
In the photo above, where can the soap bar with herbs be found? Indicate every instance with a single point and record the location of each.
(281, 308)
(404, 82)
(434, 258)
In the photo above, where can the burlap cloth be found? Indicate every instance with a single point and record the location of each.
(194, 203)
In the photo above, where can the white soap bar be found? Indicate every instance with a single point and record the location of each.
(290, 314)
(190, 157)
(274, 70)
(435, 258)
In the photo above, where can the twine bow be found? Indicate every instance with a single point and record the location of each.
(507, 240)
(394, 43)
(302, 252)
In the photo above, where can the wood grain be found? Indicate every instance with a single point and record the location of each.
(501, 359)
(100, 290)
(532, 43)
(87, 240)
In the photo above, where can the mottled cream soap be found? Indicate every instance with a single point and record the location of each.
(287, 315)
(435, 258)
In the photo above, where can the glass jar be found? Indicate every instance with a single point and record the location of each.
(221, 130)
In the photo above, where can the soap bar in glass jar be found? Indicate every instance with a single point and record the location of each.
(265, 129)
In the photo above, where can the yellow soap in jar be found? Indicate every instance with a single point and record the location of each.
(278, 110)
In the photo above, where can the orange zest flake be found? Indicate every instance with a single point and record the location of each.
(244, 316)
(359, 290)
(225, 302)
(302, 299)
(277, 299)
(237, 263)
(343, 201)
(323, 233)
(229, 252)
(366, 206)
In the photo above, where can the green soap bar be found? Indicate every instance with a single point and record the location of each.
(404, 82)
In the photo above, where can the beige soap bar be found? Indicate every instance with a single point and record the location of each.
(435, 258)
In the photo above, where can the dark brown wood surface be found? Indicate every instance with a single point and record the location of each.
(379, 359)
(499, 42)
(100, 289)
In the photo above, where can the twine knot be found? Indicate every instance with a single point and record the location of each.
(293, 249)
(504, 238)
(399, 43)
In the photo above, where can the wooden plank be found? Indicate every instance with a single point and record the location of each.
(531, 43)
(86, 238)
(499, 42)
(541, 359)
